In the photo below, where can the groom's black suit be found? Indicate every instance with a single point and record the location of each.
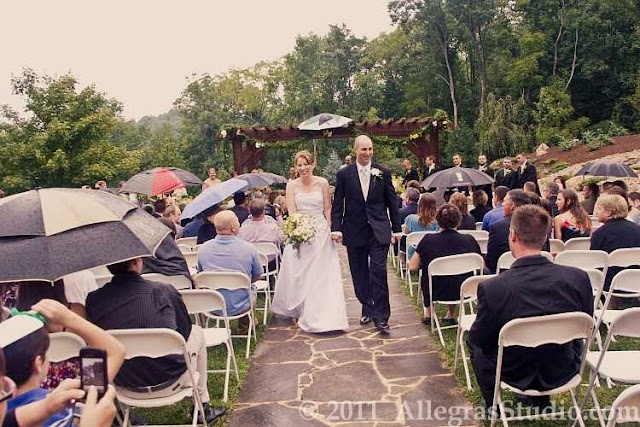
(366, 232)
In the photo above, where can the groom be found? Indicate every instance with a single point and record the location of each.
(364, 200)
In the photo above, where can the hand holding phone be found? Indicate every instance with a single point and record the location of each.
(93, 372)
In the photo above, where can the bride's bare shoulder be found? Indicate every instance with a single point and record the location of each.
(322, 182)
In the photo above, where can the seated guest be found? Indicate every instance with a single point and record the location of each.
(499, 232)
(25, 341)
(634, 213)
(130, 301)
(280, 203)
(432, 246)
(240, 206)
(172, 213)
(459, 200)
(550, 193)
(424, 220)
(207, 230)
(480, 200)
(529, 187)
(170, 225)
(561, 181)
(191, 228)
(159, 206)
(590, 191)
(573, 220)
(533, 286)
(495, 214)
(229, 253)
(616, 232)
(413, 195)
(259, 227)
(168, 260)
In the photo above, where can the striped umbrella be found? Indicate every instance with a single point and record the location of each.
(48, 233)
(457, 177)
(159, 180)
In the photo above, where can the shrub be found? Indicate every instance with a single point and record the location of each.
(559, 166)
(556, 139)
(598, 141)
(584, 182)
(567, 144)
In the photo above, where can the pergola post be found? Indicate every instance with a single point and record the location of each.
(246, 155)
(423, 147)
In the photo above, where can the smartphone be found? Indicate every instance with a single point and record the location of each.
(93, 369)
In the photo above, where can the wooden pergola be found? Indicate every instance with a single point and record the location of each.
(250, 144)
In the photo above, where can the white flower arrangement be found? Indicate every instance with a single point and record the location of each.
(298, 229)
(376, 173)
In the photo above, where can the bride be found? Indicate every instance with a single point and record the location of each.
(310, 281)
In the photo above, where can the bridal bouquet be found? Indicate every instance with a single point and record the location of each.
(298, 229)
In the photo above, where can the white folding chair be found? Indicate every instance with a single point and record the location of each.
(401, 268)
(483, 242)
(272, 252)
(556, 246)
(583, 259)
(103, 279)
(154, 343)
(624, 257)
(468, 295)
(184, 248)
(450, 266)
(231, 280)
(203, 301)
(64, 346)
(477, 234)
(578, 244)
(625, 284)
(263, 286)
(626, 407)
(533, 332)
(621, 366)
(187, 241)
(478, 225)
(413, 239)
(192, 261)
(179, 282)
(507, 258)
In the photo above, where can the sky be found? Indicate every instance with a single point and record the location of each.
(141, 51)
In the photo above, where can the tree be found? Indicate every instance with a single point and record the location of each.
(62, 138)
(331, 168)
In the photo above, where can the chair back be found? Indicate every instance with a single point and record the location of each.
(478, 225)
(477, 234)
(187, 241)
(414, 238)
(264, 261)
(627, 323)
(626, 284)
(222, 280)
(597, 282)
(507, 259)
(64, 346)
(583, 259)
(469, 288)
(551, 329)
(456, 264)
(626, 407)
(191, 258)
(203, 301)
(624, 257)
(150, 342)
(578, 243)
(103, 279)
(184, 248)
(178, 282)
(267, 248)
(483, 242)
(556, 246)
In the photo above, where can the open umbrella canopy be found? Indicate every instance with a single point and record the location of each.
(325, 121)
(49, 233)
(261, 179)
(159, 180)
(457, 177)
(213, 195)
(607, 169)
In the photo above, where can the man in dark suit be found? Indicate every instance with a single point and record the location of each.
(413, 196)
(410, 173)
(527, 172)
(364, 213)
(430, 167)
(506, 177)
(457, 163)
(483, 166)
(532, 287)
(499, 232)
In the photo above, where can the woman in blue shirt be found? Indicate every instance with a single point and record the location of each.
(424, 220)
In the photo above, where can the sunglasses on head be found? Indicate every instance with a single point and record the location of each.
(8, 388)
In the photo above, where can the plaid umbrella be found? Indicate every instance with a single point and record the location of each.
(49, 233)
(457, 177)
(159, 180)
(325, 121)
(261, 179)
(607, 169)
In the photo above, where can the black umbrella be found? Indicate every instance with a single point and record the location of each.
(262, 179)
(607, 169)
(457, 177)
(49, 233)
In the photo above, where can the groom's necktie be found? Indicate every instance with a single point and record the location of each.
(364, 182)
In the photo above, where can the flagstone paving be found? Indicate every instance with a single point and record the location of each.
(352, 378)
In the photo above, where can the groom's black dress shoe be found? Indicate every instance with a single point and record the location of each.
(382, 327)
(365, 319)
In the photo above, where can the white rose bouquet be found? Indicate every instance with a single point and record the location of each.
(298, 229)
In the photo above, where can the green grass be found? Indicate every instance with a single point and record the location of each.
(180, 413)
(606, 395)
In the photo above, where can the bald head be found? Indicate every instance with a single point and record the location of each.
(226, 223)
(363, 146)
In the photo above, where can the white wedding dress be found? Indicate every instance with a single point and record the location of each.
(309, 284)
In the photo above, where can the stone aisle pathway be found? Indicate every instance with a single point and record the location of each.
(356, 378)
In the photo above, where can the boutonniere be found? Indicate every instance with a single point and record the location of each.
(376, 173)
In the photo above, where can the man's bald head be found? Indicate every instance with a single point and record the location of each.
(363, 146)
(226, 223)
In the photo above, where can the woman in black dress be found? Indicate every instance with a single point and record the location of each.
(432, 246)
(467, 222)
(480, 200)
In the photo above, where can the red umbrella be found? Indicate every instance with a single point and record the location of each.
(159, 180)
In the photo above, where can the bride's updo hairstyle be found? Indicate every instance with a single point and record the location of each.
(307, 156)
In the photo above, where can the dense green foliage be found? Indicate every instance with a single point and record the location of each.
(509, 73)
